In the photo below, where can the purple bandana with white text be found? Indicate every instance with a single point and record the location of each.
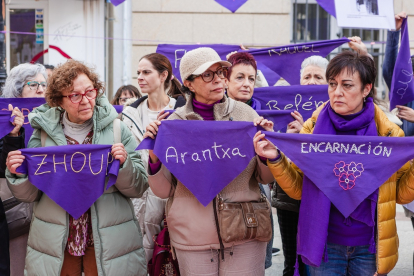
(287, 60)
(345, 167)
(73, 176)
(402, 85)
(303, 98)
(204, 155)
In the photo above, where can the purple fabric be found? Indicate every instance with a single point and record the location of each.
(328, 6)
(117, 2)
(352, 231)
(175, 52)
(287, 60)
(72, 176)
(26, 105)
(271, 76)
(204, 110)
(118, 108)
(154, 167)
(6, 123)
(402, 86)
(360, 225)
(232, 5)
(203, 155)
(303, 98)
(280, 118)
(255, 104)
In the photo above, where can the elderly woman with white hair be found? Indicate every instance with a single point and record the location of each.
(24, 81)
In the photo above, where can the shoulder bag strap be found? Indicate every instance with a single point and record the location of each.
(117, 131)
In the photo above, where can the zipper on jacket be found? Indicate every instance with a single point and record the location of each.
(134, 124)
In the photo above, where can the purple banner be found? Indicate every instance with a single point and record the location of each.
(347, 166)
(175, 53)
(232, 5)
(328, 6)
(287, 60)
(303, 98)
(72, 176)
(203, 155)
(280, 118)
(26, 105)
(402, 85)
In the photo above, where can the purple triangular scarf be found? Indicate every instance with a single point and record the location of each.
(402, 85)
(303, 98)
(204, 155)
(286, 60)
(73, 176)
(117, 2)
(26, 105)
(175, 52)
(280, 118)
(232, 5)
(328, 6)
(6, 121)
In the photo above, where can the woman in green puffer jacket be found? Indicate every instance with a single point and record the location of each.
(77, 113)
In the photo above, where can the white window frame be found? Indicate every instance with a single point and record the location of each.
(27, 5)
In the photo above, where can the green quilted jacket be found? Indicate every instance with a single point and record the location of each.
(116, 232)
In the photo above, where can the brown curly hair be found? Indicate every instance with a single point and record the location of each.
(62, 80)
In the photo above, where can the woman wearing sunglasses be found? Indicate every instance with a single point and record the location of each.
(77, 113)
(192, 227)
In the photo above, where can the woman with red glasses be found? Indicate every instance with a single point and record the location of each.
(77, 113)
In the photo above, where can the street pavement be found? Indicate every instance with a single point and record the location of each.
(404, 266)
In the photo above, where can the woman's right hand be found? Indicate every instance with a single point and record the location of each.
(152, 129)
(14, 160)
(18, 120)
(399, 19)
(264, 147)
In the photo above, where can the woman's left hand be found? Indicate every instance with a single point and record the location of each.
(357, 45)
(119, 152)
(264, 123)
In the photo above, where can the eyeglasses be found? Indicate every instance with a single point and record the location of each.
(208, 75)
(78, 97)
(124, 99)
(34, 85)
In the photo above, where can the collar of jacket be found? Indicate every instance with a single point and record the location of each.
(48, 118)
(139, 101)
(384, 126)
(222, 109)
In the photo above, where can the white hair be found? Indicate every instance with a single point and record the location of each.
(19, 76)
(315, 61)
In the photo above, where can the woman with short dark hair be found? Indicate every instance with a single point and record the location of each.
(366, 242)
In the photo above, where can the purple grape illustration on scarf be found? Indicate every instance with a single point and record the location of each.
(348, 173)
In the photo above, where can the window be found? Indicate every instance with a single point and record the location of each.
(310, 22)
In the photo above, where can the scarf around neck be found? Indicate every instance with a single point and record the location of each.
(314, 218)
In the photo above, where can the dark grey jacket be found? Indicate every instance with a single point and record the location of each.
(281, 200)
